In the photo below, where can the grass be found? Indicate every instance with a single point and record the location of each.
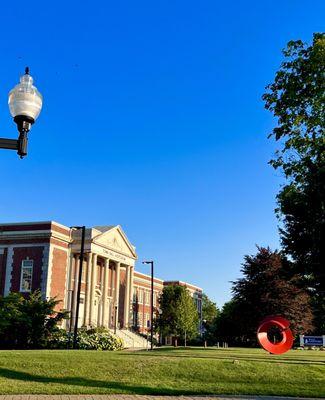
(164, 371)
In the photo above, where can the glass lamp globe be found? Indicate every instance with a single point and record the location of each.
(25, 101)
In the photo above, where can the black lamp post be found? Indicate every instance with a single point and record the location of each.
(25, 104)
(81, 258)
(151, 307)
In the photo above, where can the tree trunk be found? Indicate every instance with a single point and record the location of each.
(185, 339)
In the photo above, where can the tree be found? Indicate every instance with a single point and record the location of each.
(265, 289)
(297, 100)
(209, 309)
(178, 315)
(227, 326)
(27, 323)
(209, 315)
(187, 316)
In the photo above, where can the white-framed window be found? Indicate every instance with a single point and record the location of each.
(140, 319)
(147, 298)
(140, 296)
(147, 321)
(26, 276)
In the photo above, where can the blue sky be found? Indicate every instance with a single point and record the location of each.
(153, 120)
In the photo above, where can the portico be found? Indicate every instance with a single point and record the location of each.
(107, 278)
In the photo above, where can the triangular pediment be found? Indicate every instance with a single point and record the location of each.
(115, 239)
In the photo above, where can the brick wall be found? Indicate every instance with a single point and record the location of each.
(58, 276)
(20, 254)
(3, 261)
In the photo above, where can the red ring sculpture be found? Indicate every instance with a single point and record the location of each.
(287, 337)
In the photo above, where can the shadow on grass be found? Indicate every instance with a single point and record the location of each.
(113, 387)
(231, 357)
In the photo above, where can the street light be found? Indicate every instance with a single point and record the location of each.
(151, 308)
(25, 104)
(81, 258)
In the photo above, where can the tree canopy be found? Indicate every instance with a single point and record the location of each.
(297, 100)
(179, 316)
(265, 289)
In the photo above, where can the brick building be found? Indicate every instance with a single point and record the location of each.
(45, 256)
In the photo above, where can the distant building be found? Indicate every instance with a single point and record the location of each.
(45, 256)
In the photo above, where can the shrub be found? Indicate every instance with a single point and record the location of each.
(91, 339)
(98, 339)
(58, 339)
(27, 323)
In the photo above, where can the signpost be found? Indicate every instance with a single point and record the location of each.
(306, 341)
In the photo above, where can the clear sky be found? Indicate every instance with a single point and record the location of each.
(153, 120)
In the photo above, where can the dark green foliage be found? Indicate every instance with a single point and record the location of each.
(209, 315)
(27, 323)
(297, 99)
(59, 339)
(209, 309)
(179, 316)
(227, 326)
(265, 289)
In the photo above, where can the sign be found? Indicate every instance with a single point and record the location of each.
(313, 341)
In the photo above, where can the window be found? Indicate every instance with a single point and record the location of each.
(26, 275)
(147, 321)
(135, 297)
(140, 321)
(147, 297)
(140, 296)
(135, 319)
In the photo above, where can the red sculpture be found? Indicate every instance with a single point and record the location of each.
(287, 337)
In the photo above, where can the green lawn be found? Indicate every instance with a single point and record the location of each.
(164, 371)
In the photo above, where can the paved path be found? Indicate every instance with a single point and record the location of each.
(144, 397)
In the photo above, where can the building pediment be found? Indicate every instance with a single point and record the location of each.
(115, 239)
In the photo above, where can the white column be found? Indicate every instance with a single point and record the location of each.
(126, 297)
(131, 295)
(104, 294)
(92, 289)
(117, 291)
(88, 289)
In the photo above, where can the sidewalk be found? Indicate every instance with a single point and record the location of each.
(138, 397)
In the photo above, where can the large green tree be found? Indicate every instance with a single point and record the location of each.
(178, 315)
(297, 100)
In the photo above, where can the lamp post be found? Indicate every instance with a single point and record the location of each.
(25, 104)
(81, 258)
(151, 303)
